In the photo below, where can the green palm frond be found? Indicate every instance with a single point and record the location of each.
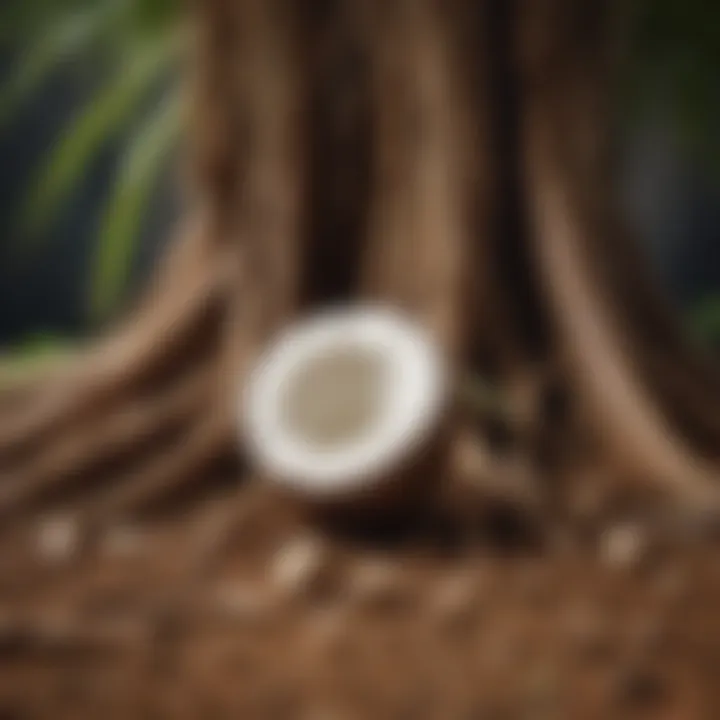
(130, 48)
(104, 117)
(146, 156)
(76, 35)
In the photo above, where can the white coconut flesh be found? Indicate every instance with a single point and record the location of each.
(339, 401)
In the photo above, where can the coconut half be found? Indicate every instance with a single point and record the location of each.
(339, 402)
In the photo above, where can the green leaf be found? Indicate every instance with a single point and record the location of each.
(104, 117)
(75, 35)
(146, 156)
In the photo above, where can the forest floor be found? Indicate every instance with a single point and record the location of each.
(239, 609)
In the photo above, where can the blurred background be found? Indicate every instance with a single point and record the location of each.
(90, 122)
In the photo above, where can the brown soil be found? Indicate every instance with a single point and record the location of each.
(202, 616)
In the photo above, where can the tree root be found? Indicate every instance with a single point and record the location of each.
(565, 184)
(78, 451)
(113, 369)
(167, 470)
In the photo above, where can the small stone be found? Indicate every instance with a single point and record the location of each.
(623, 546)
(59, 539)
(299, 565)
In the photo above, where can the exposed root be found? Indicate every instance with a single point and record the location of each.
(166, 471)
(605, 371)
(689, 401)
(80, 450)
(89, 396)
(114, 368)
(627, 417)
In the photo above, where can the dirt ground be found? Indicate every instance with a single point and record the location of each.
(240, 609)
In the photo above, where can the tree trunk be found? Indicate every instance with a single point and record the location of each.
(446, 157)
